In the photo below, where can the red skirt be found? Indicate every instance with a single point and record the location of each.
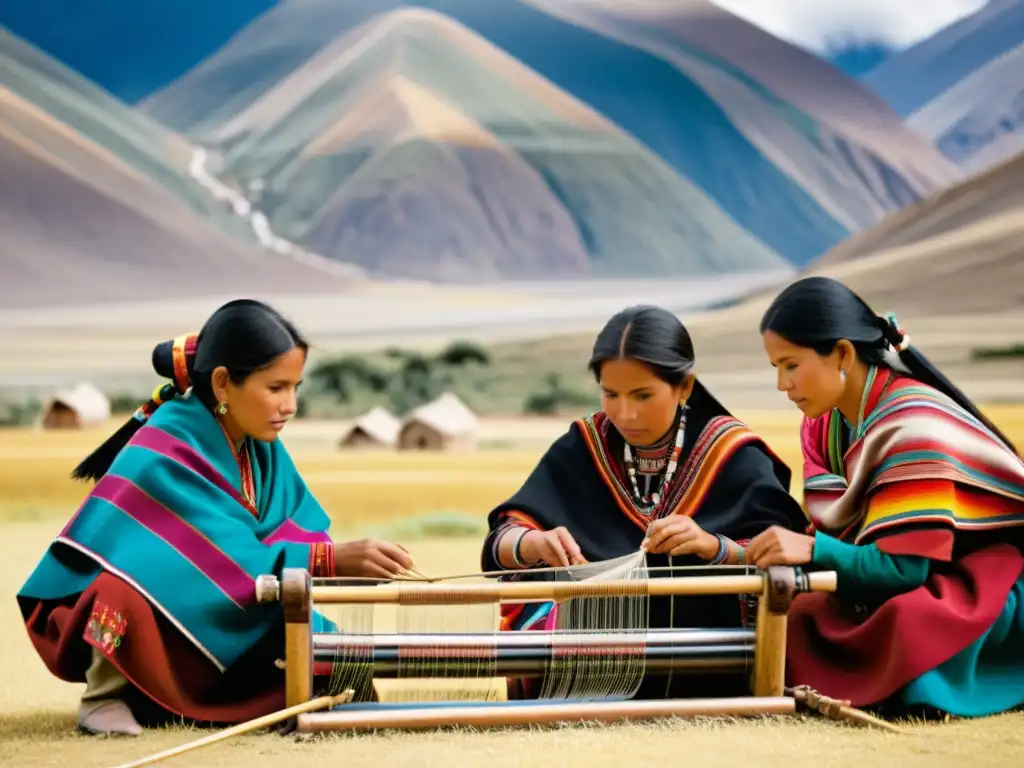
(867, 657)
(153, 655)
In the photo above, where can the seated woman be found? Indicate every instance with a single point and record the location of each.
(917, 503)
(661, 466)
(148, 593)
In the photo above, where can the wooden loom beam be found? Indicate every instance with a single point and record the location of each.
(542, 713)
(780, 588)
(296, 600)
(418, 593)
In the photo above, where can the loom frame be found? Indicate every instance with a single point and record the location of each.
(776, 587)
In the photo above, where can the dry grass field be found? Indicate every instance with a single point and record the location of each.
(382, 493)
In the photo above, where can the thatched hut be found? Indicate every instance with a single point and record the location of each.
(377, 428)
(442, 425)
(82, 406)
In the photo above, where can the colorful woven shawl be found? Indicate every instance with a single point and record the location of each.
(916, 458)
(169, 519)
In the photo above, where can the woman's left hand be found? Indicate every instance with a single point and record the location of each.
(679, 535)
(779, 546)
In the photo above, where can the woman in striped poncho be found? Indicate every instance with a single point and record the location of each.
(916, 501)
(147, 595)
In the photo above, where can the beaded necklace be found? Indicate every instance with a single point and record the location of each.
(651, 503)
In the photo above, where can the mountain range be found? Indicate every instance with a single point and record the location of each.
(410, 145)
(97, 204)
(453, 141)
(960, 250)
(963, 88)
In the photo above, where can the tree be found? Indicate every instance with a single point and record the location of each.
(460, 353)
(553, 396)
(419, 379)
(345, 376)
(407, 379)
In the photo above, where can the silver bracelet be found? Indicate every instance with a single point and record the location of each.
(523, 530)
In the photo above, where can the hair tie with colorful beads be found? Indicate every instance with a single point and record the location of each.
(161, 395)
(897, 338)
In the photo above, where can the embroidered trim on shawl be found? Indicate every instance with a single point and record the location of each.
(717, 442)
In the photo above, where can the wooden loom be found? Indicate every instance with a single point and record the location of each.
(530, 653)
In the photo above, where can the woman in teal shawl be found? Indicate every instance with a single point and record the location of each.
(148, 594)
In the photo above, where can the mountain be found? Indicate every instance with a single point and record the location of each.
(412, 146)
(143, 144)
(959, 250)
(922, 72)
(97, 205)
(963, 87)
(950, 267)
(797, 181)
(838, 139)
(78, 225)
(129, 49)
(979, 122)
(952, 261)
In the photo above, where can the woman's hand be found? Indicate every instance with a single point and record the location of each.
(371, 557)
(779, 546)
(680, 535)
(555, 547)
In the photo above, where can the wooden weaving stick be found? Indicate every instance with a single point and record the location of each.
(323, 702)
(838, 710)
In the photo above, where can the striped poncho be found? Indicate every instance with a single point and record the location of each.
(920, 508)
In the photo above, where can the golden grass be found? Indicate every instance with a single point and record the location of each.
(367, 489)
(356, 488)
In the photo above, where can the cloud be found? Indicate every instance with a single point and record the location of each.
(812, 24)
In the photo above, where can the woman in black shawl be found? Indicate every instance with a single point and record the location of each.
(663, 466)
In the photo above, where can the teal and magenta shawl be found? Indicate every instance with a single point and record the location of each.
(169, 519)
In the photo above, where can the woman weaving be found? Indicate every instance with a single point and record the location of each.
(917, 503)
(662, 466)
(148, 592)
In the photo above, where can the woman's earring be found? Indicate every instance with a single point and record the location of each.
(842, 375)
(222, 408)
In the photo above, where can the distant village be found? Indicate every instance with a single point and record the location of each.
(445, 423)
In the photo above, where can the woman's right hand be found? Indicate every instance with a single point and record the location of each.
(372, 558)
(555, 547)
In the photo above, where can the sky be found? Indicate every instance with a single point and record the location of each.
(812, 23)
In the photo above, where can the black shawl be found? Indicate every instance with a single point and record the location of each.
(728, 480)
